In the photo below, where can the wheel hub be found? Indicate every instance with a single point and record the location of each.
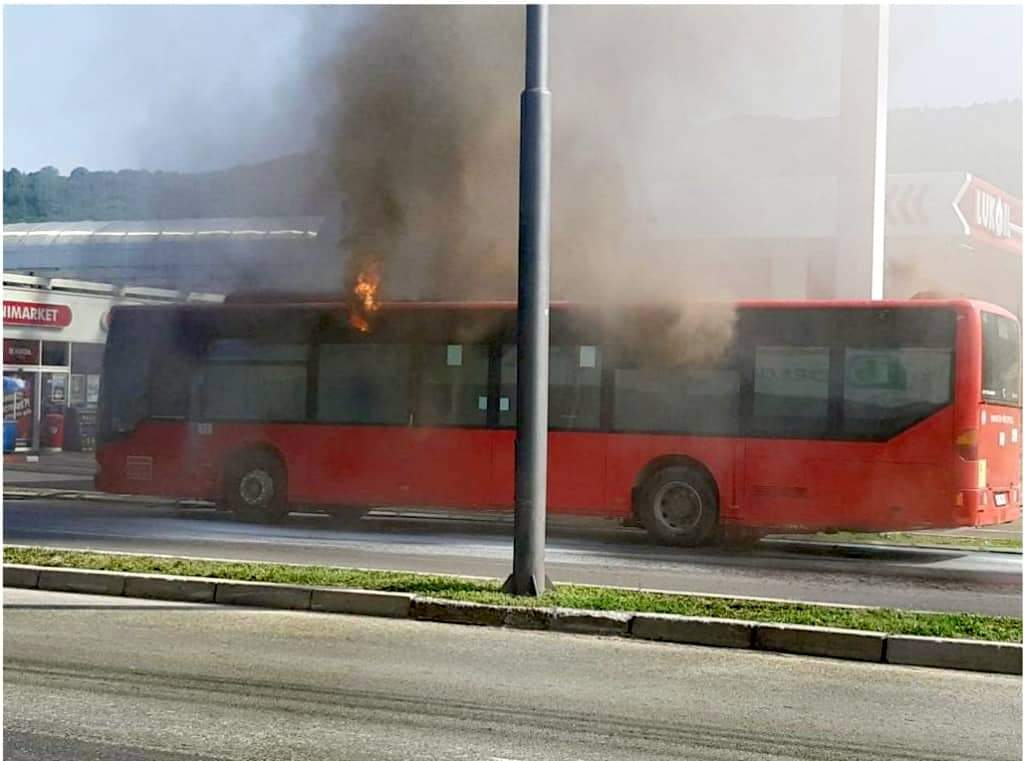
(678, 506)
(257, 487)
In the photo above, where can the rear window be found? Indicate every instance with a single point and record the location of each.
(1001, 371)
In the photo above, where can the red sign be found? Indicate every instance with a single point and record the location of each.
(17, 352)
(991, 214)
(42, 315)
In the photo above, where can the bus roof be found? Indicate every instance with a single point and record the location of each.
(323, 302)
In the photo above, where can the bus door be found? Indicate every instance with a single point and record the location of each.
(577, 449)
(360, 451)
(789, 416)
(998, 440)
(449, 462)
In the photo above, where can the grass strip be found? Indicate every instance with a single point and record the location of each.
(923, 540)
(957, 625)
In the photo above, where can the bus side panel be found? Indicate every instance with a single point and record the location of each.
(905, 483)
(387, 465)
(448, 467)
(629, 454)
(782, 490)
(577, 462)
(339, 465)
(917, 487)
(371, 465)
(160, 458)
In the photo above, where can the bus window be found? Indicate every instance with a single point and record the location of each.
(249, 380)
(176, 345)
(1001, 360)
(791, 391)
(453, 385)
(887, 390)
(169, 385)
(364, 383)
(574, 381)
(689, 400)
(126, 367)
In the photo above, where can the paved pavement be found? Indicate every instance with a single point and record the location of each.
(63, 470)
(895, 577)
(53, 462)
(120, 679)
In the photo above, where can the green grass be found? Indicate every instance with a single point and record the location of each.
(915, 539)
(958, 625)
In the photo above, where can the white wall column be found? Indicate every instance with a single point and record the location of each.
(859, 256)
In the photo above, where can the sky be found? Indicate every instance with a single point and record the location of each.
(193, 88)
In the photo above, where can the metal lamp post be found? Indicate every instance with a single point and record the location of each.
(529, 573)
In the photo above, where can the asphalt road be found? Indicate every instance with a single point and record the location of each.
(903, 578)
(102, 678)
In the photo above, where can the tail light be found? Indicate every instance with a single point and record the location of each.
(966, 444)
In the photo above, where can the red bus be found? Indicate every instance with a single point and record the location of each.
(759, 418)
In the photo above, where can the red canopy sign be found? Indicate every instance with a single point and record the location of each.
(42, 315)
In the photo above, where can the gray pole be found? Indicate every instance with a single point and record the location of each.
(529, 570)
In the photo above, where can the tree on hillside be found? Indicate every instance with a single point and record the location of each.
(984, 139)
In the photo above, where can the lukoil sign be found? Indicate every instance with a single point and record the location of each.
(993, 214)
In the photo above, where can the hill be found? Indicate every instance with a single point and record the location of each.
(983, 139)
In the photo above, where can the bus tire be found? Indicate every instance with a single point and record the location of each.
(255, 487)
(678, 505)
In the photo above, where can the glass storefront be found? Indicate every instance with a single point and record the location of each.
(83, 396)
(18, 408)
(55, 408)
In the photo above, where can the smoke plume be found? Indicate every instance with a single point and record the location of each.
(422, 134)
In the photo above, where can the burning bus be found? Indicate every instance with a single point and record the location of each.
(790, 416)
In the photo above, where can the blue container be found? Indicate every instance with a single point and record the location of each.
(10, 435)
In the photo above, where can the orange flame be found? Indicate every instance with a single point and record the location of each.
(366, 302)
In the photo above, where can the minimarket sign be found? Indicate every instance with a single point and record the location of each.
(39, 315)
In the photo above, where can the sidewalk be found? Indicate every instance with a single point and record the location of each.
(56, 470)
(67, 463)
(1014, 529)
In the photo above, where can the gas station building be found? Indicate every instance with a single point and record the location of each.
(948, 233)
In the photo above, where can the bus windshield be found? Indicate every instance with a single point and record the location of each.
(1000, 377)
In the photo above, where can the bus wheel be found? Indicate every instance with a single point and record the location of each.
(678, 505)
(255, 486)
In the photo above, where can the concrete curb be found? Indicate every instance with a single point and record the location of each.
(256, 594)
(820, 640)
(692, 630)
(477, 614)
(603, 623)
(962, 654)
(871, 647)
(74, 580)
(174, 588)
(26, 577)
(361, 602)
